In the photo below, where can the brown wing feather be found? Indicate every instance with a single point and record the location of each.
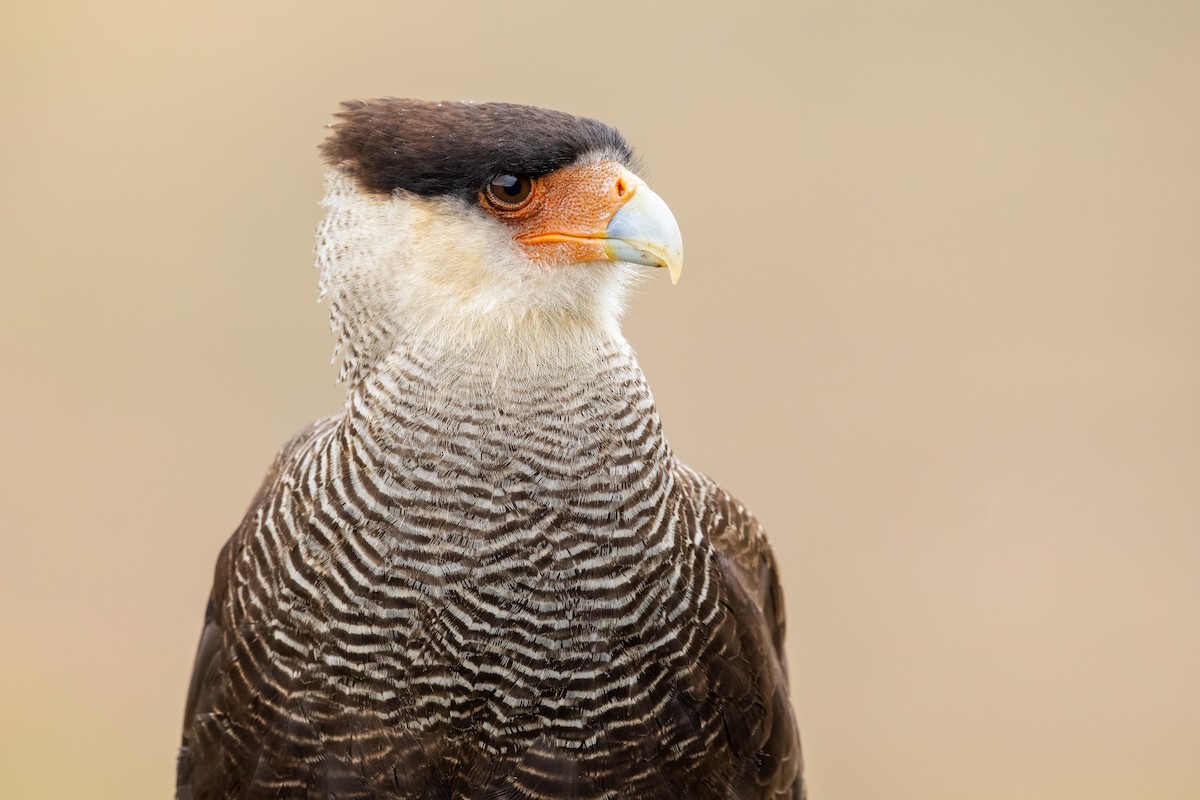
(205, 717)
(764, 729)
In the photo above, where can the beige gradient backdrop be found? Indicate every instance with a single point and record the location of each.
(939, 326)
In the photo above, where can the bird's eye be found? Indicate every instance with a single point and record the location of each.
(509, 192)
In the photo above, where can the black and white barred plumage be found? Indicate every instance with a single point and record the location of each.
(488, 577)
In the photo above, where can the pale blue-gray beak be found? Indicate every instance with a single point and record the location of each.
(644, 231)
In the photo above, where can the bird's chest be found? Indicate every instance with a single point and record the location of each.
(509, 571)
(492, 595)
(485, 567)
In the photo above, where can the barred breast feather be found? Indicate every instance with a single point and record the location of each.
(460, 588)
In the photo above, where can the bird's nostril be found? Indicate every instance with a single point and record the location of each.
(622, 187)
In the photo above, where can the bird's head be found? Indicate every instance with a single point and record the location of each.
(481, 223)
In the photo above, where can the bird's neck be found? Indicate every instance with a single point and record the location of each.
(573, 416)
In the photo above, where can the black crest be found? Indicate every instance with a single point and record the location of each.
(431, 148)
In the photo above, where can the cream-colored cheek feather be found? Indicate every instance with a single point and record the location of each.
(404, 270)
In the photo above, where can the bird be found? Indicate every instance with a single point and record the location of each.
(488, 575)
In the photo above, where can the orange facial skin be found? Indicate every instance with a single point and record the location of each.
(563, 220)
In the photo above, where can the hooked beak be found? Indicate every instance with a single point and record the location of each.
(644, 231)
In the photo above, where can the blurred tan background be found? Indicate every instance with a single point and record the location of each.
(939, 327)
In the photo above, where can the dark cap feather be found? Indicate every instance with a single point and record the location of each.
(431, 148)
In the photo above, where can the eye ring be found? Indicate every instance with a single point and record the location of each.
(509, 192)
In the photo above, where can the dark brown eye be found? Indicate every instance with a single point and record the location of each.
(509, 192)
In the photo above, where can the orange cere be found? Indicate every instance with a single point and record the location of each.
(564, 220)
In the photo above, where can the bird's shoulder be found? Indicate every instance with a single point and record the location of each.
(205, 711)
(293, 453)
(744, 555)
(759, 723)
